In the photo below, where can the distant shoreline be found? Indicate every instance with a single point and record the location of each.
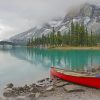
(69, 48)
(75, 48)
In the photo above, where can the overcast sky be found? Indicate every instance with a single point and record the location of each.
(19, 15)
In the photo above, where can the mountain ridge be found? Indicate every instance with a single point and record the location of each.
(88, 14)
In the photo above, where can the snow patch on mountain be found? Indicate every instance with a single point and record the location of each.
(88, 14)
(86, 20)
(55, 23)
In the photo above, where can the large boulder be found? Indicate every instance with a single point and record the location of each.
(73, 88)
(61, 83)
(50, 88)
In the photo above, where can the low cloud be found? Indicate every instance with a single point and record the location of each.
(19, 15)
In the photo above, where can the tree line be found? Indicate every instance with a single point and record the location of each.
(78, 35)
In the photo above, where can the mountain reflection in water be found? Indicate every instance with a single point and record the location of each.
(71, 59)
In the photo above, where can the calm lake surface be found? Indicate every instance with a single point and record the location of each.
(27, 65)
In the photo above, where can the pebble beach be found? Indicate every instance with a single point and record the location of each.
(47, 89)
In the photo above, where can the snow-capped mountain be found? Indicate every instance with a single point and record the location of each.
(87, 14)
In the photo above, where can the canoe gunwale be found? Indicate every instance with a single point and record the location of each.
(86, 81)
(82, 75)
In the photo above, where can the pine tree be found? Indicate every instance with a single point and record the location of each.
(91, 38)
(72, 33)
(76, 34)
(59, 38)
(86, 37)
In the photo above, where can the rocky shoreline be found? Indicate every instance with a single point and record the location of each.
(47, 89)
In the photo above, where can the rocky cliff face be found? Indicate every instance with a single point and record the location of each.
(87, 14)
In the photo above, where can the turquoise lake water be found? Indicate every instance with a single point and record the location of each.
(27, 65)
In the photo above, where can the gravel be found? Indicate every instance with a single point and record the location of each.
(48, 90)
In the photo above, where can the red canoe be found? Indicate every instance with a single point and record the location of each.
(76, 77)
